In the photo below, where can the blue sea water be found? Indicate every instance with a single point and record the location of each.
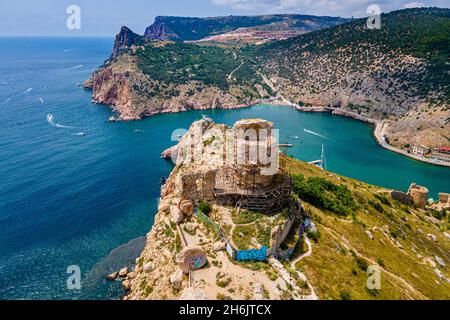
(77, 190)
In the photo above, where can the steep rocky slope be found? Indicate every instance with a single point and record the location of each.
(144, 82)
(357, 226)
(399, 73)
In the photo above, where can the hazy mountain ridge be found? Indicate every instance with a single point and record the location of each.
(193, 29)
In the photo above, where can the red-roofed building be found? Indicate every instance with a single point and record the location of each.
(441, 154)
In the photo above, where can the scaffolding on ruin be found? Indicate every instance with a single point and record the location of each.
(242, 189)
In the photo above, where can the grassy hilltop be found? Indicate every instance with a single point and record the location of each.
(359, 225)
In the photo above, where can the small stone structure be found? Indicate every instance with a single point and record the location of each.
(401, 197)
(444, 200)
(419, 195)
(191, 258)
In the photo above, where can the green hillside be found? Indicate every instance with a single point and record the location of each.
(422, 33)
(361, 225)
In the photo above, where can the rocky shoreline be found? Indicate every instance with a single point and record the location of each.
(379, 136)
(380, 128)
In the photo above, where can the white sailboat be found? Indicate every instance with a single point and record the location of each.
(322, 163)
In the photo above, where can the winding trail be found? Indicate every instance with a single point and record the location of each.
(230, 76)
(308, 253)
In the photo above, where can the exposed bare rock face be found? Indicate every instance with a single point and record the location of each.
(160, 31)
(124, 40)
(122, 85)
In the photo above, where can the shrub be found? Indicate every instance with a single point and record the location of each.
(314, 236)
(221, 296)
(264, 233)
(245, 216)
(439, 214)
(373, 292)
(223, 283)
(377, 206)
(205, 207)
(345, 295)
(362, 264)
(243, 235)
(272, 275)
(324, 194)
(383, 199)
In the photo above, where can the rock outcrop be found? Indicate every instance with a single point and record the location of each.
(160, 31)
(122, 84)
(124, 40)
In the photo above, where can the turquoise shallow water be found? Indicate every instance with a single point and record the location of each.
(67, 199)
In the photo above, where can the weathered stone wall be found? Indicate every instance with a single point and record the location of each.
(444, 199)
(279, 233)
(401, 197)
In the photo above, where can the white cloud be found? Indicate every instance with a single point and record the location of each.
(414, 4)
(357, 8)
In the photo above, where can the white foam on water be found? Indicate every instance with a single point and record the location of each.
(41, 100)
(80, 134)
(77, 67)
(139, 131)
(28, 90)
(6, 101)
(50, 119)
(315, 133)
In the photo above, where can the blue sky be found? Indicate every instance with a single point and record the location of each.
(105, 17)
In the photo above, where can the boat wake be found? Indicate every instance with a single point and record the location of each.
(315, 133)
(6, 101)
(50, 119)
(28, 90)
(77, 67)
(41, 100)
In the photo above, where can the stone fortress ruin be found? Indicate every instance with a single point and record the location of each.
(235, 166)
(235, 169)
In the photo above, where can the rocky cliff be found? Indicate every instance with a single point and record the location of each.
(136, 91)
(185, 256)
(159, 30)
(125, 39)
